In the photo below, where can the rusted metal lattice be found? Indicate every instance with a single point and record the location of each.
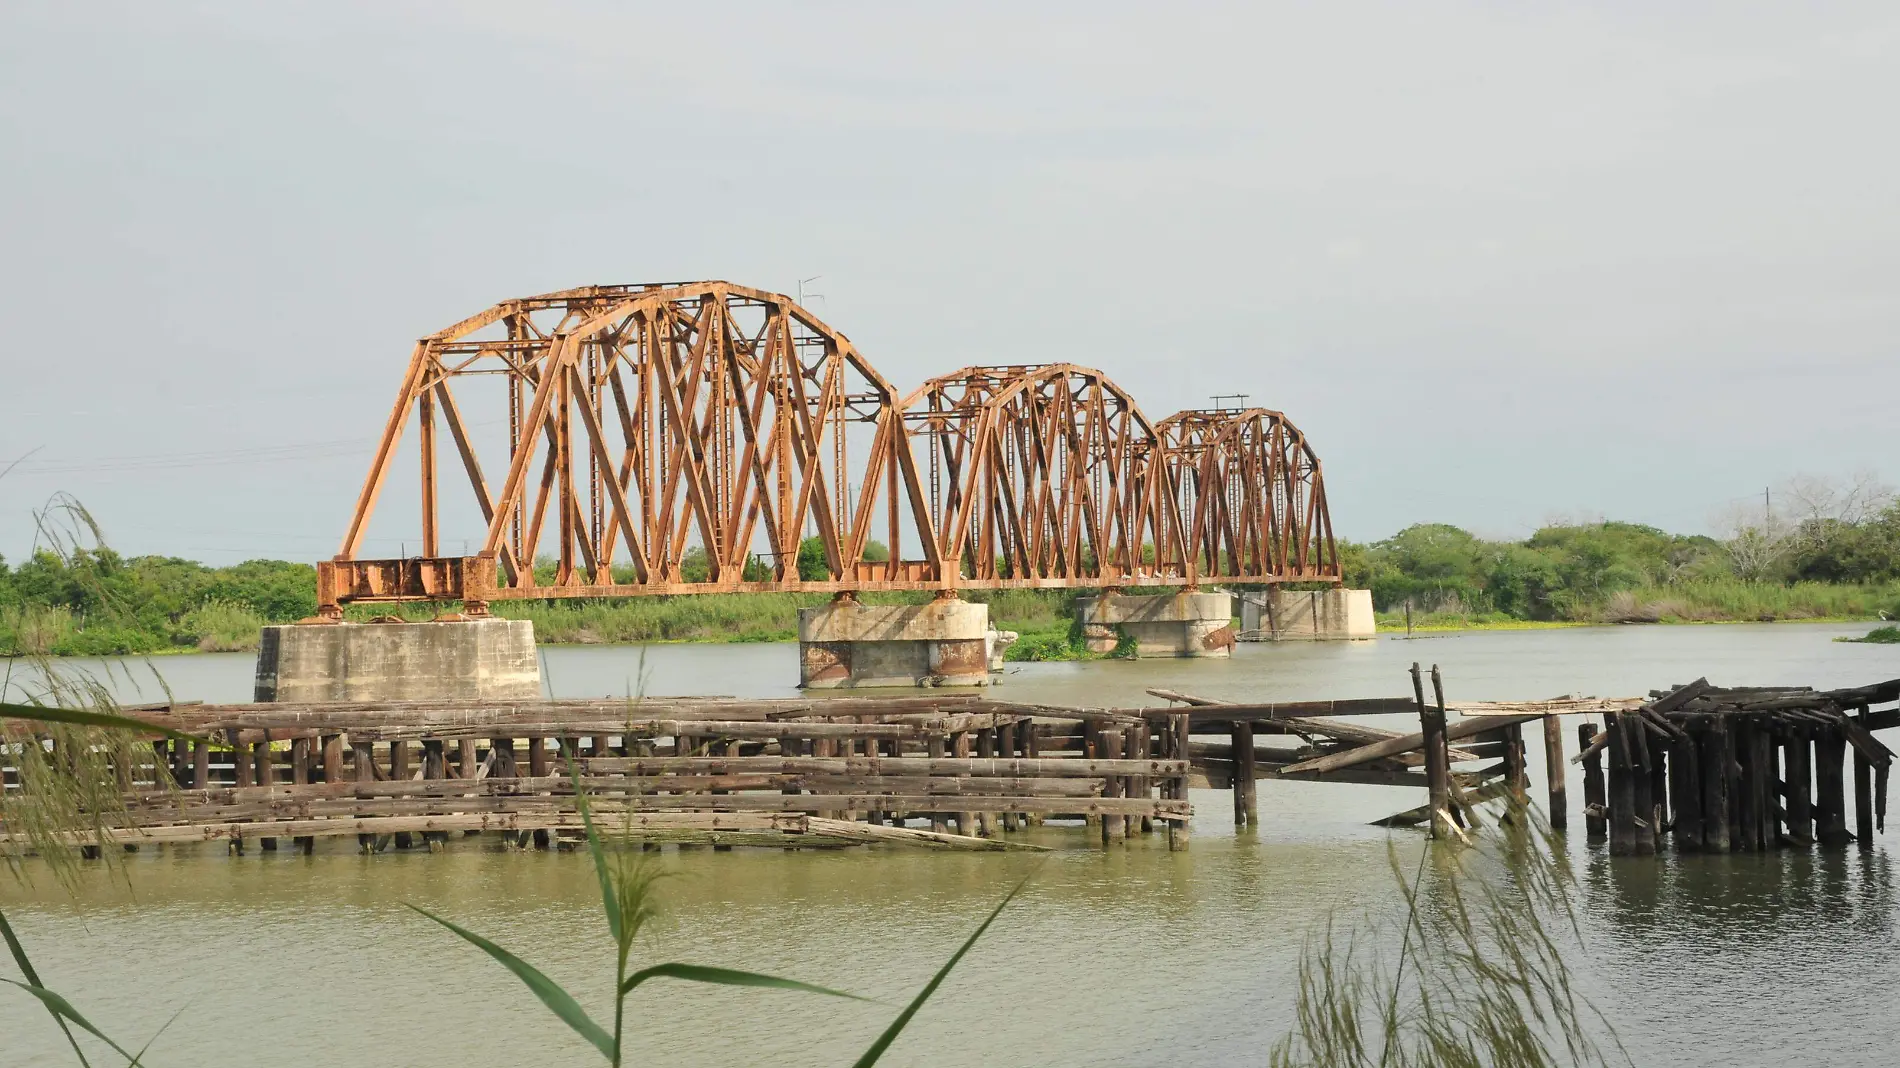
(1251, 489)
(687, 438)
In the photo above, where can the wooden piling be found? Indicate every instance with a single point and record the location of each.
(1797, 763)
(1830, 797)
(1642, 783)
(1713, 762)
(1762, 784)
(1431, 719)
(1685, 794)
(1179, 725)
(1622, 788)
(1596, 801)
(1246, 808)
(1557, 803)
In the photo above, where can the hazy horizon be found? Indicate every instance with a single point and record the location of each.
(1500, 264)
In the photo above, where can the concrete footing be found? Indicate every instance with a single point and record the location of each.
(1307, 615)
(468, 659)
(943, 643)
(1161, 624)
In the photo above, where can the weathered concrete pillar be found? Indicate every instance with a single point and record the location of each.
(999, 643)
(466, 659)
(1161, 624)
(845, 644)
(1307, 615)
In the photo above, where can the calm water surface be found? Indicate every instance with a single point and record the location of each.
(1129, 956)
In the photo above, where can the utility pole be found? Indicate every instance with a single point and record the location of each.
(801, 289)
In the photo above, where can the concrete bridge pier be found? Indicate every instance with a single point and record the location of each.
(1307, 615)
(947, 642)
(1192, 623)
(468, 659)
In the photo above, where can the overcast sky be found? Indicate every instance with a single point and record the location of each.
(1501, 262)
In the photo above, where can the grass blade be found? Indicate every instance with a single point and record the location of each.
(609, 901)
(82, 718)
(155, 1034)
(32, 976)
(698, 973)
(903, 1018)
(558, 1001)
(59, 1006)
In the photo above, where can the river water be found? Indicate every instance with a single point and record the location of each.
(1127, 956)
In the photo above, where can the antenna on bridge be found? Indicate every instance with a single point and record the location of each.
(1218, 398)
(803, 296)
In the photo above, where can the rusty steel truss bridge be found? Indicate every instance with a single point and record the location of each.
(686, 438)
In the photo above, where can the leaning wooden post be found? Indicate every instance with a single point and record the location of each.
(1830, 797)
(1863, 795)
(1178, 729)
(1431, 721)
(1245, 810)
(1596, 801)
(1559, 814)
(1642, 800)
(1516, 763)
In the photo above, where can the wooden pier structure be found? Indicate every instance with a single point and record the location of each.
(1705, 768)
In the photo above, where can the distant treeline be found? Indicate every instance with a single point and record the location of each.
(1841, 561)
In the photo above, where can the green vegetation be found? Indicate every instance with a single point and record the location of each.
(1611, 572)
(1877, 636)
(1842, 561)
(1482, 975)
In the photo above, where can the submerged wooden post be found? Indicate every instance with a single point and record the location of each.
(1431, 719)
(1516, 763)
(1246, 810)
(1642, 783)
(1554, 773)
(1685, 794)
(1714, 764)
(365, 772)
(1623, 830)
(1178, 730)
(1748, 832)
(1797, 763)
(1596, 800)
(1830, 797)
(1863, 795)
(1762, 770)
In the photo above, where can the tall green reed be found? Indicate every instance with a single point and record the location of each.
(1482, 973)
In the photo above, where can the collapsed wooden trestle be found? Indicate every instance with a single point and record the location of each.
(1739, 770)
(1711, 769)
(940, 771)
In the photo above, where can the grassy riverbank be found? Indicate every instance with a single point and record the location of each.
(90, 601)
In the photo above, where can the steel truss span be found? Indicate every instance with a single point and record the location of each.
(688, 437)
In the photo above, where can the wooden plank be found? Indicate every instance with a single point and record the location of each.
(1464, 728)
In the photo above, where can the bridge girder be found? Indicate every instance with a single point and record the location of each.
(684, 438)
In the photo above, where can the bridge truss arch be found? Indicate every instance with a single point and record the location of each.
(649, 427)
(1253, 495)
(1045, 476)
(689, 438)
